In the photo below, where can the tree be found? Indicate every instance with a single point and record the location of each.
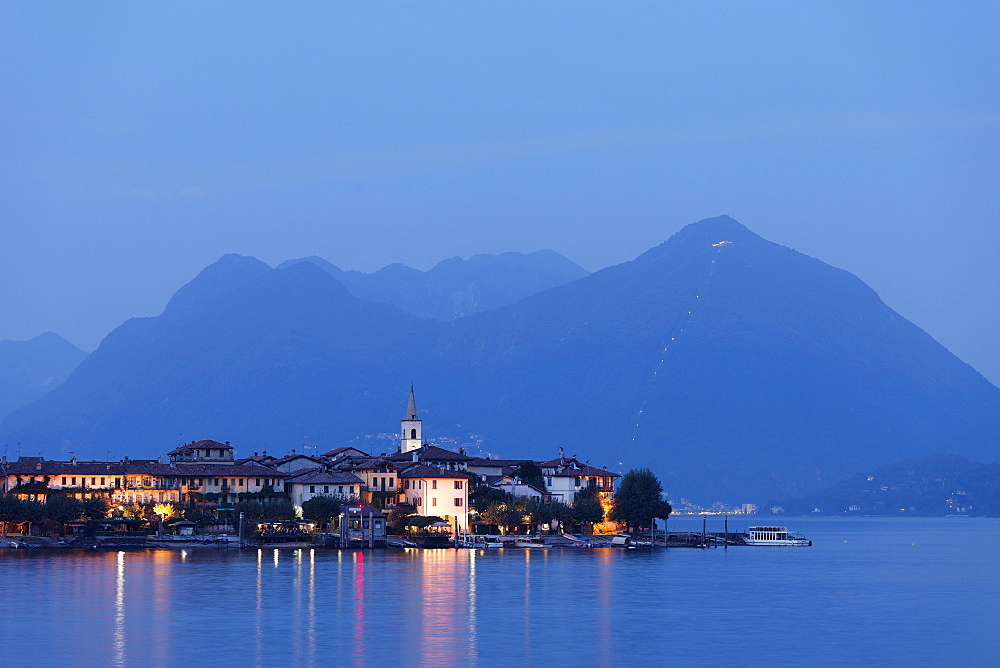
(95, 508)
(482, 497)
(530, 474)
(638, 499)
(163, 511)
(11, 509)
(502, 515)
(562, 514)
(62, 509)
(321, 509)
(397, 517)
(587, 508)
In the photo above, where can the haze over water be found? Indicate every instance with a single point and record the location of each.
(870, 591)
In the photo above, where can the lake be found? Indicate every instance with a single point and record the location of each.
(869, 591)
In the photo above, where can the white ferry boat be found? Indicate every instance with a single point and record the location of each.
(774, 536)
(477, 542)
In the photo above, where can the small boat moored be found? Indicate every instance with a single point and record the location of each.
(775, 536)
(478, 542)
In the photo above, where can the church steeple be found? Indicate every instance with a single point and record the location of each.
(410, 437)
(411, 407)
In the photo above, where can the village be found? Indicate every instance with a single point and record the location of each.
(420, 495)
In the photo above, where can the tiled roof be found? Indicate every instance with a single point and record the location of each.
(365, 463)
(323, 477)
(337, 451)
(481, 461)
(431, 472)
(570, 466)
(292, 457)
(149, 467)
(200, 445)
(429, 453)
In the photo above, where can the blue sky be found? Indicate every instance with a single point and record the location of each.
(141, 141)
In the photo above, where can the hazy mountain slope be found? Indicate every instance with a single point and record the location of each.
(932, 485)
(778, 372)
(29, 369)
(457, 287)
(735, 368)
(284, 358)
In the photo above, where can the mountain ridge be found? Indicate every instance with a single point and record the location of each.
(732, 366)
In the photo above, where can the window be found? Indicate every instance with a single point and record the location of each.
(312, 489)
(420, 484)
(434, 484)
(73, 481)
(434, 501)
(390, 482)
(417, 501)
(340, 490)
(576, 481)
(458, 484)
(93, 481)
(102, 481)
(548, 482)
(458, 502)
(406, 483)
(413, 433)
(350, 490)
(64, 481)
(326, 489)
(257, 482)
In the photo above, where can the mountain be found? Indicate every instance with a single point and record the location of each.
(935, 485)
(455, 287)
(728, 364)
(265, 356)
(735, 368)
(29, 369)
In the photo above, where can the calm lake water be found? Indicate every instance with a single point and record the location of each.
(870, 591)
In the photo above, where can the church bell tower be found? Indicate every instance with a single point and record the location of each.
(410, 436)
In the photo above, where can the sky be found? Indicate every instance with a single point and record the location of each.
(139, 142)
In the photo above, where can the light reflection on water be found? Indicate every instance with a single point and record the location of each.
(119, 635)
(919, 591)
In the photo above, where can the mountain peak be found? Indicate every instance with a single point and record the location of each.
(222, 277)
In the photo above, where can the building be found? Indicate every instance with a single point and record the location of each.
(202, 452)
(305, 485)
(437, 492)
(137, 480)
(565, 477)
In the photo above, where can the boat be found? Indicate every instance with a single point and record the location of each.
(530, 542)
(774, 536)
(478, 542)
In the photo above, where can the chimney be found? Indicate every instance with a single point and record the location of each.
(38, 466)
(73, 460)
(415, 455)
